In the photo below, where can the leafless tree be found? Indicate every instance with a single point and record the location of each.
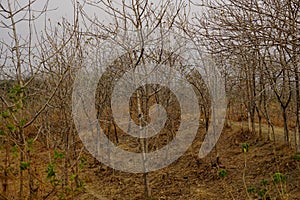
(258, 37)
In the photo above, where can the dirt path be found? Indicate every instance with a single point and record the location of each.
(279, 132)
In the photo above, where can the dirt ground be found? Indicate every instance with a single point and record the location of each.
(193, 178)
(271, 172)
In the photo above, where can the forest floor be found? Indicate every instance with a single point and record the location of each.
(271, 172)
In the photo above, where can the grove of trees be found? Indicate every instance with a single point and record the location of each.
(255, 44)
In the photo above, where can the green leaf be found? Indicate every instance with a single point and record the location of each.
(251, 190)
(222, 173)
(50, 171)
(297, 157)
(245, 147)
(30, 141)
(58, 155)
(2, 132)
(264, 182)
(261, 192)
(279, 177)
(17, 89)
(82, 162)
(24, 165)
(19, 106)
(73, 176)
(11, 127)
(22, 122)
(5, 115)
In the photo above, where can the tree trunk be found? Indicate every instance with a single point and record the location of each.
(297, 127)
(259, 126)
(285, 125)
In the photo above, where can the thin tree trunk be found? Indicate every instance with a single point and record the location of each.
(259, 126)
(297, 127)
(285, 125)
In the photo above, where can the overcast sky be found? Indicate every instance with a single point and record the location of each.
(57, 10)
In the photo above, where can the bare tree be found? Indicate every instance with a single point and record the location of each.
(143, 31)
(26, 97)
(258, 38)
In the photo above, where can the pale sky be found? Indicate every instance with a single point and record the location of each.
(57, 10)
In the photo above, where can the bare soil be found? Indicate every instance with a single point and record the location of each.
(189, 177)
(193, 178)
